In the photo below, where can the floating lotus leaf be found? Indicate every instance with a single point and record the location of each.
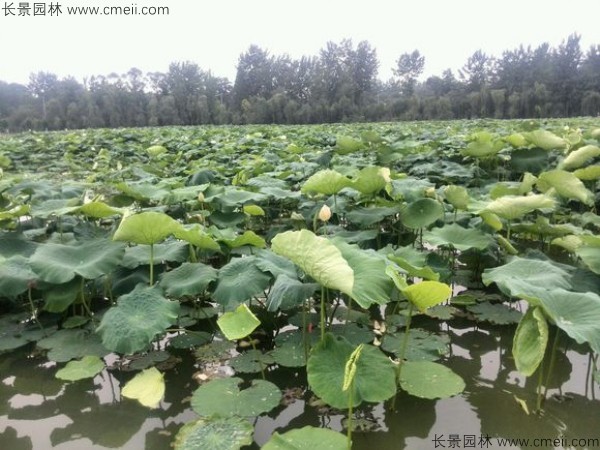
(238, 281)
(566, 185)
(496, 313)
(421, 213)
(148, 228)
(173, 251)
(307, 438)
(251, 361)
(65, 345)
(545, 140)
(239, 323)
(326, 182)
(316, 256)
(188, 279)
(426, 379)
(460, 238)
(427, 294)
(147, 387)
(196, 236)
(57, 263)
(231, 433)
(530, 340)
(223, 398)
(579, 157)
(513, 207)
(188, 340)
(422, 345)
(374, 380)
(137, 319)
(147, 360)
(15, 276)
(87, 367)
(288, 293)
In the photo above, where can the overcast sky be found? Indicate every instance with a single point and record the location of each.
(214, 33)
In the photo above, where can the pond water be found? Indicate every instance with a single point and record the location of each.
(39, 412)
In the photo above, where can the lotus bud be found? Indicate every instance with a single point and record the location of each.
(430, 192)
(201, 197)
(325, 213)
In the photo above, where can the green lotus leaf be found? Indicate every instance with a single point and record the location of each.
(409, 189)
(316, 256)
(371, 284)
(414, 263)
(529, 160)
(147, 387)
(421, 213)
(588, 173)
(288, 293)
(569, 242)
(59, 297)
(251, 361)
(513, 207)
(496, 313)
(457, 196)
(156, 150)
(231, 433)
(148, 228)
(483, 146)
(137, 319)
(369, 216)
(188, 279)
(370, 180)
(54, 207)
(290, 350)
(566, 185)
(307, 438)
(15, 276)
(506, 245)
(173, 251)
(87, 367)
(196, 236)
(98, 210)
(223, 398)
(546, 140)
(143, 191)
(13, 244)
(426, 379)
(530, 340)
(238, 281)
(345, 145)
(579, 157)
(248, 238)
(253, 210)
(398, 280)
(183, 194)
(454, 235)
(57, 263)
(16, 212)
(239, 323)
(374, 379)
(16, 332)
(188, 340)
(590, 255)
(147, 360)
(232, 197)
(492, 220)
(326, 182)
(422, 345)
(65, 345)
(427, 294)
(276, 265)
(516, 140)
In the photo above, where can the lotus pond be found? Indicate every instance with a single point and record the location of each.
(412, 285)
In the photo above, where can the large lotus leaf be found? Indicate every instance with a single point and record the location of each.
(137, 319)
(12, 244)
(371, 284)
(223, 398)
(307, 438)
(427, 294)
(521, 275)
(248, 238)
(371, 180)
(576, 313)
(251, 361)
(346, 144)
(590, 255)
(288, 293)
(374, 379)
(147, 387)
(545, 140)
(230, 433)
(173, 251)
(421, 213)
(15, 276)
(143, 191)
(496, 313)
(426, 379)
(197, 237)
(57, 263)
(566, 185)
(54, 207)
(530, 340)
(148, 228)
(369, 216)
(16, 332)
(238, 281)
(513, 206)
(458, 237)
(588, 173)
(579, 157)
(492, 220)
(239, 323)
(516, 140)
(267, 261)
(58, 297)
(87, 367)
(98, 210)
(409, 189)
(232, 197)
(422, 345)
(529, 160)
(188, 279)
(65, 345)
(326, 182)
(457, 196)
(483, 146)
(180, 195)
(414, 263)
(316, 256)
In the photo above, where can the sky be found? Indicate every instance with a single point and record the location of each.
(214, 33)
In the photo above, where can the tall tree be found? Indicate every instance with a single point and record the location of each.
(409, 66)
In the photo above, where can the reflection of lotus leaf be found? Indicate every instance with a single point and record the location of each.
(307, 438)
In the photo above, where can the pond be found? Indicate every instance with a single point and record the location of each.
(38, 411)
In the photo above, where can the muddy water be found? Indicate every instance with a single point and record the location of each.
(40, 412)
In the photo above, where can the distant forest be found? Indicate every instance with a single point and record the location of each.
(340, 84)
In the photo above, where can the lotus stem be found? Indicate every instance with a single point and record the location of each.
(322, 313)
(262, 369)
(552, 361)
(350, 413)
(33, 311)
(538, 403)
(402, 352)
(151, 264)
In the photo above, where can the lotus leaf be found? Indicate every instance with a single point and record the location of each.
(188, 279)
(288, 293)
(87, 367)
(196, 236)
(428, 379)
(427, 294)
(147, 387)
(496, 313)
(230, 433)
(513, 207)
(566, 185)
(422, 345)
(148, 228)
(15, 276)
(546, 140)
(251, 361)
(326, 182)
(454, 235)
(421, 213)
(579, 157)
(239, 323)
(307, 438)
(529, 343)
(588, 173)
(139, 255)
(238, 281)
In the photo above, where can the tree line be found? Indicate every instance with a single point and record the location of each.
(339, 84)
